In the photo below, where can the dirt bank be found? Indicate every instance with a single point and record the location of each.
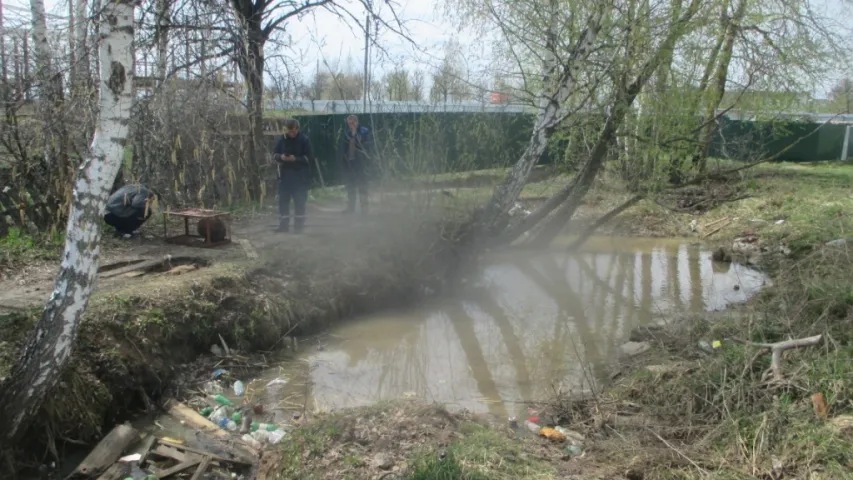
(135, 335)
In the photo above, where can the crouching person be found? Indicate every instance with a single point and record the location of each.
(129, 207)
(293, 155)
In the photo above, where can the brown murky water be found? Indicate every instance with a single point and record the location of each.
(531, 322)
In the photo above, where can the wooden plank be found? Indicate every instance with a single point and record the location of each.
(193, 419)
(179, 468)
(146, 448)
(202, 467)
(107, 451)
(115, 472)
(169, 452)
(244, 454)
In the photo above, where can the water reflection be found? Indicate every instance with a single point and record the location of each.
(532, 321)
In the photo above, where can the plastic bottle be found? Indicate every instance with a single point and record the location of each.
(223, 400)
(206, 411)
(218, 414)
(237, 417)
(239, 388)
(227, 424)
(532, 426)
(251, 441)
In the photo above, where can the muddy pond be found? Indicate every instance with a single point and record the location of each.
(530, 322)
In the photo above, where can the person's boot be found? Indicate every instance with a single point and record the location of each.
(299, 225)
(283, 225)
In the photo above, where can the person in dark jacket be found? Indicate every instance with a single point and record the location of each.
(129, 207)
(356, 150)
(293, 155)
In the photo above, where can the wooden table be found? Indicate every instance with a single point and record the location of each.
(192, 239)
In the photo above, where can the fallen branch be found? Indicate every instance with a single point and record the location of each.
(720, 227)
(777, 348)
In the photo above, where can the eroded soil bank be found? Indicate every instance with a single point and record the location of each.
(136, 335)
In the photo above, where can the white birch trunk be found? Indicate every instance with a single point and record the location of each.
(44, 75)
(552, 111)
(49, 346)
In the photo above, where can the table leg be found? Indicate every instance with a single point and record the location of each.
(187, 226)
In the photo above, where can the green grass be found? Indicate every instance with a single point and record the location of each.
(19, 247)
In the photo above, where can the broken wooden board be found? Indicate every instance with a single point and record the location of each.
(115, 472)
(106, 452)
(243, 457)
(202, 467)
(178, 468)
(193, 419)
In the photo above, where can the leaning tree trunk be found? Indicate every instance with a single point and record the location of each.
(569, 198)
(706, 136)
(552, 111)
(49, 346)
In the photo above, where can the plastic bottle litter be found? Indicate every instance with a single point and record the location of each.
(573, 450)
(276, 436)
(219, 372)
(239, 388)
(252, 441)
(227, 424)
(269, 427)
(206, 411)
(212, 387)
(532, 426)
(277, 381)
(261, 436)
(218, 414)
(223, 401)
(237, 417)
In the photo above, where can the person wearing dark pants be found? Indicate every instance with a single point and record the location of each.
(293, 154)
(129, 207)
(356, 147)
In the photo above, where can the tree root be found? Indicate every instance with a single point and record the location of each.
(776, 350)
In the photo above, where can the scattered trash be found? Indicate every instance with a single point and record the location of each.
(206, 411)
(130, 458)
(533, 419)
(631, 349)
(239, 388)
(258, 409)
(780, 222)
(216, 350)
(840, 242)
(513, 423)
(219, 371)
(821, 409)
(223, 400)
(716, 344)
(277, 381)
(213, 387)
(173, 440)
(573, 450)
(572, 436)
(252, 442)
(532, 426)
(552, 434)
(705, 346)
(276, 435)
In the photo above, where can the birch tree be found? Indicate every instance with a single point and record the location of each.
(50, 344)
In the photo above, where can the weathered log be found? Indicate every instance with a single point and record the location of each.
(106, 452)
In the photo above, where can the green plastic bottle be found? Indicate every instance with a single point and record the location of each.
(206, 411)
(255, 426)
(223, 401)
(237, 417)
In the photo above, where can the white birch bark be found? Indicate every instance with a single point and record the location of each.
(50, 344)
(44, 75)
(558, 84)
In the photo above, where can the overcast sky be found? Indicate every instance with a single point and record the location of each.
(324, 37)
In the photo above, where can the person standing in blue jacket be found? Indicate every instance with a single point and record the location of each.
(356, 149)
(293, 155)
